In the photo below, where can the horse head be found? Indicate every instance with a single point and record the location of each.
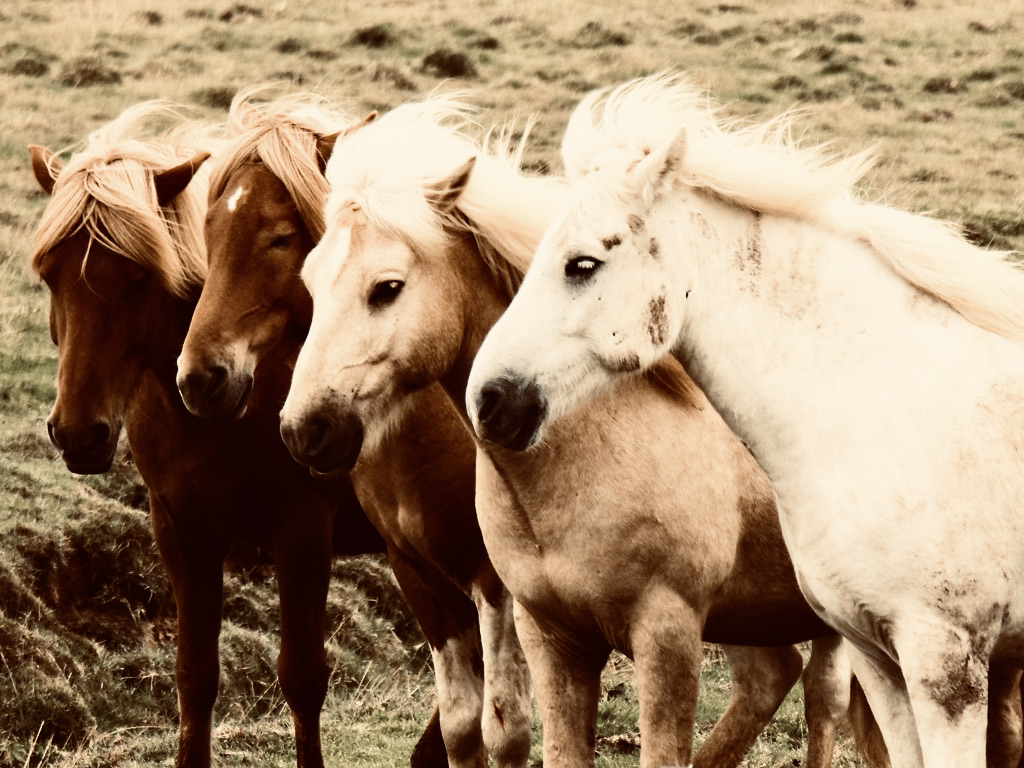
(109, 314)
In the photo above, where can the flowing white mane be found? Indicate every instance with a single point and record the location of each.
(762, 168)
(395, 167)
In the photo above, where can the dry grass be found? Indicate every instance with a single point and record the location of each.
(937, 88)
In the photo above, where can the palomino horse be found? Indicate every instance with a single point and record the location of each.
(268, 193)
(120, 248)
(608, 537)
(870, 358)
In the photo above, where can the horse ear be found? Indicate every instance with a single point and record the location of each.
(655, 172)
(447, 192)
(172, 182)
(46, 166)
(325, 144)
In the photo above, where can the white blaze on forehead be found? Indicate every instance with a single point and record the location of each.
(324, 262)
(235, 197)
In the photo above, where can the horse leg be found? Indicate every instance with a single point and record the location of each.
(665, 640)
(196, 572)
(1004, 744)
(567, 685)
(826, 681)
(946, 669)
(429, 751)
(302, 563)
(506, 711)
(761, 678)
(886, 693)
(449, 622)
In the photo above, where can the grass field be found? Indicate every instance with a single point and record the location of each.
(86, 620)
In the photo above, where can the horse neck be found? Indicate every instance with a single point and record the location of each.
(482, 303)
(791, 329)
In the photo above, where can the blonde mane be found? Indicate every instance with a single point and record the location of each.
(762, 168)
(395, 168)
(107, 189)
(283, 135)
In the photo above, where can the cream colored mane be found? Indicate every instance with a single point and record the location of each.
(762, 168)
(283, 135)
(107, 189)
(394, 168)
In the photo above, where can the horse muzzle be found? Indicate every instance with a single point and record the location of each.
(326, 440)
(87, 449)
(215, 391)
(510, 412)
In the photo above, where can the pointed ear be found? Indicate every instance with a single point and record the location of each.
(325, 144)
(172, 182)
(46, 166)
(446, 193)
(655, 173)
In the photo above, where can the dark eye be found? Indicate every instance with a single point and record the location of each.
(385, 292)
(580, 268)
(282, 241)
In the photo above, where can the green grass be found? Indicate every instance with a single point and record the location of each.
(86, 664)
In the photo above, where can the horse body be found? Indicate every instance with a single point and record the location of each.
(416, 484)
(119, 312)
(888, 423)
(608, 535)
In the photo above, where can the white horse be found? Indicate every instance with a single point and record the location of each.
(871, 360)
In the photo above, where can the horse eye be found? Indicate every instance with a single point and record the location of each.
(385, 292)
(582, 267)
(282, 241)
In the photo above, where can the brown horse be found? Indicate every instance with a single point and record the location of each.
(120, 248)
(614, 534)
(417, 486)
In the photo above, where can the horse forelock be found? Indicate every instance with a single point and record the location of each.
(762, 167)
(393, 167)
(283, 135)
(107, 189)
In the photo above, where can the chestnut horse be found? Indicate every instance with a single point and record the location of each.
(120, 249)
(608, 537)
(416, 485)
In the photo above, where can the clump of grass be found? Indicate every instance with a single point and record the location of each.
(240, 11)
(290, 45)
(217, 97)
(1015, 89)
(593, 34)
(393, 76)
(87, 71)
(445, 62)
(376, 36)
(942, 85)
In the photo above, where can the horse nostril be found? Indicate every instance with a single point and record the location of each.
(510, 412)
(490, 399)
(304, 438)
(99, 436)
(326, 441)
(53, 436)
